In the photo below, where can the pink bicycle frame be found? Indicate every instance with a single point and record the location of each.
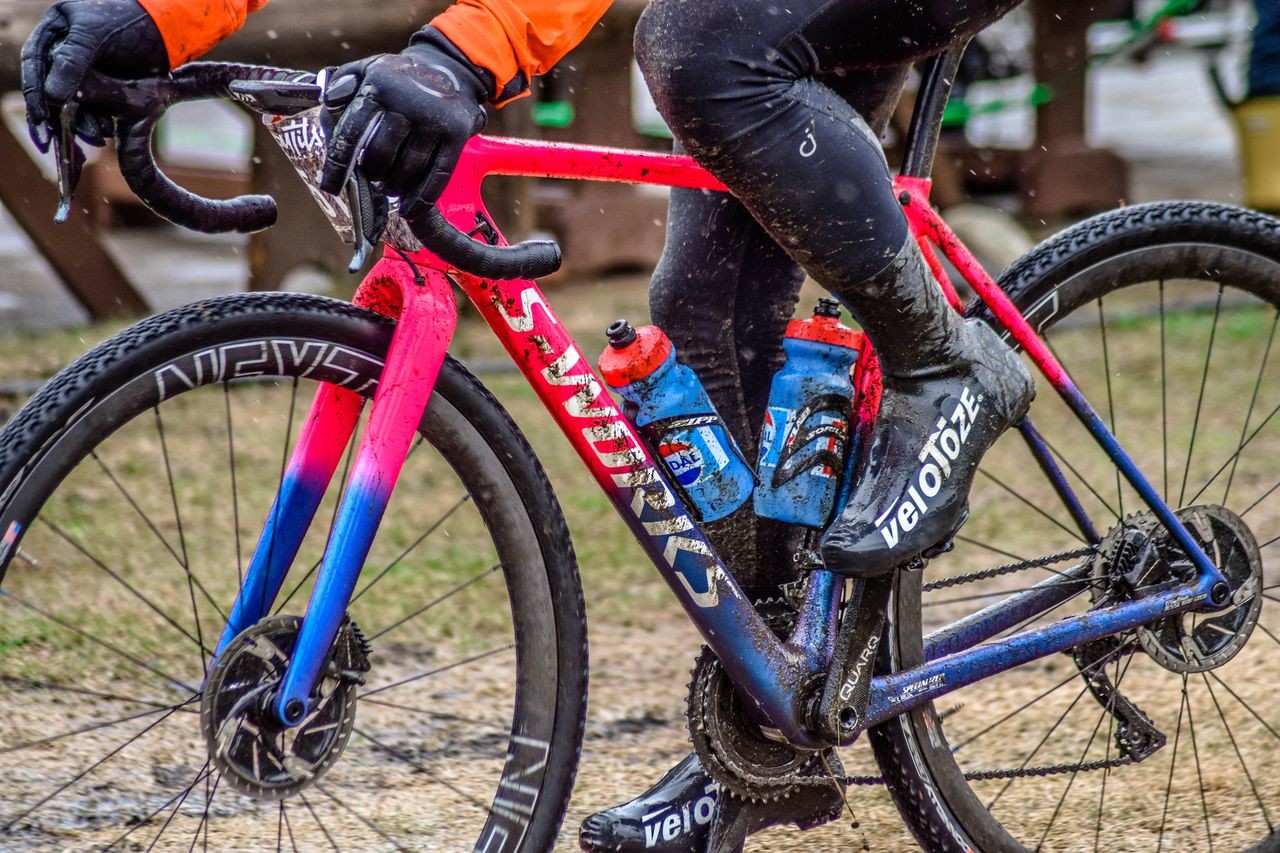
(417, 291)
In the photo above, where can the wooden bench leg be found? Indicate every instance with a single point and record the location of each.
(72, 249)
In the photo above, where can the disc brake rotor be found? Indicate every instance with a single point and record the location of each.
(257, 755)
(1139, 555)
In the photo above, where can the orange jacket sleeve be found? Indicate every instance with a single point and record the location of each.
(191, 28)
(515, 40)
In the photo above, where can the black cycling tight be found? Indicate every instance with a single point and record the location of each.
(784, 102)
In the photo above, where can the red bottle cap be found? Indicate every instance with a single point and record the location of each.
(825, 330)
(637, 358)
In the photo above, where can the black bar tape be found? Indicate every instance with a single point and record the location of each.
(531, 259)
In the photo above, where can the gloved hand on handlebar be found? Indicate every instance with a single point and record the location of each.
(403, 119)
(116, 37)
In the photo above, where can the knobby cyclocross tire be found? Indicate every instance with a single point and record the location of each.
(924, 755)
(87, 627)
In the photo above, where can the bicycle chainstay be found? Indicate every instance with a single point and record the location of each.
(1012, 772)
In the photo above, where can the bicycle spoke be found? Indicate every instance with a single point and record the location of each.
(1111, 655)
(1066, 463)
(1111, 403)
(440, 716)
(1195, 751)
(347, 808)
(203, 772)
(1036, 751)
(430, 604)
(993, 549)
(993, 478)
(1106, 767)
(324, 831)
(284, 818)
(81, 691)
(439, 669)
(1236, 454)
(129, 499)
(114, 575)
(144, 821)
(1253, 399)
(187, 688)
(1173, 761)
(90, 727)
(182, 538)
(1253, 786)
(419, 767)
(1164, 401)
(1106, 714)
(1245, 705)
(235, 491)
(83, 773)
(203, 825)
(1204, 380)
(431, 529)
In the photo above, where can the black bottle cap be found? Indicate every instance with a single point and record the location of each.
(620, 333)
(827, 308)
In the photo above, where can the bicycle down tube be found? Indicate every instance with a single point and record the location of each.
(767, 670)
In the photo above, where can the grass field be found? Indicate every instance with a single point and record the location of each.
(446, 736)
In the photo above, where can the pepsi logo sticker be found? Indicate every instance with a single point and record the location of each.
(684, 460)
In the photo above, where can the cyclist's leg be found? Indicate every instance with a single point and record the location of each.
(717, 268)
(747, 101)
(725, 286)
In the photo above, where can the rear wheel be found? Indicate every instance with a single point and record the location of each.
(135, 485)
(1166, 317)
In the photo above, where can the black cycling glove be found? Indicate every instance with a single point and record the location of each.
(403, 119)
(116, 37)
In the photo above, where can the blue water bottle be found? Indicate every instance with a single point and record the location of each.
(676, 419)
(806, 427)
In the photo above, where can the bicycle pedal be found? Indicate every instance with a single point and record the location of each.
(944, 547)
(948, 543)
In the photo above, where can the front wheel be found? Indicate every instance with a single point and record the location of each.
(134, 486)
(1165, 316)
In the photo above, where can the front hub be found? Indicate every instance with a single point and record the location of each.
(256, 754)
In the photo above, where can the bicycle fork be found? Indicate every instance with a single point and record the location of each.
(426, 314)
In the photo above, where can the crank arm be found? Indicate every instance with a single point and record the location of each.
(845, 695)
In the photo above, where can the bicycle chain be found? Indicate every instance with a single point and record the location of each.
(1009, 569)
(763, 788)
(1016, 772)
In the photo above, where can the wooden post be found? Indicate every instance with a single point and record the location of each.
(1062, 173)
(72, 249)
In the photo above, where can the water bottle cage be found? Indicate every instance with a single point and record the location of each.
(791, 464)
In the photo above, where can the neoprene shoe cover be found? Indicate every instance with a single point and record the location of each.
(930, 435)
(676, 814)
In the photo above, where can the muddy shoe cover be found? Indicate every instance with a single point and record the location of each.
(924, 451)
(676, 814)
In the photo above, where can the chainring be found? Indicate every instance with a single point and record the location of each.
(1138, 554)
(255, 754)
(732, 747)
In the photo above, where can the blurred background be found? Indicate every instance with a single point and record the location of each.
(1064, 109)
